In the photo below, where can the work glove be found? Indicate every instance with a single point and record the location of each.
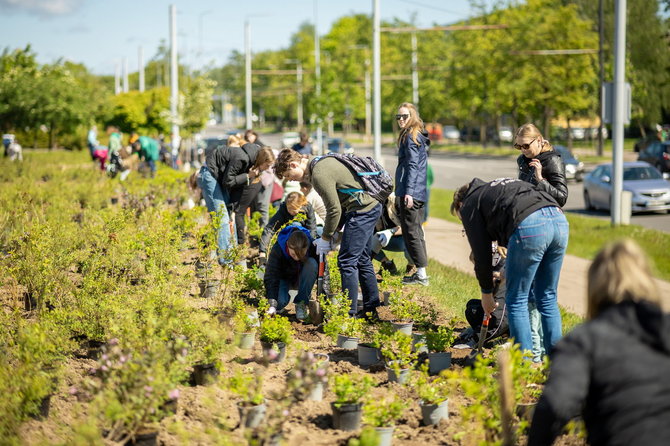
(384, 237)
(322, 246)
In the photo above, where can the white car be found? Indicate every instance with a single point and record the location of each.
(288, 139)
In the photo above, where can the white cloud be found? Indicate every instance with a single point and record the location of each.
(42, 7)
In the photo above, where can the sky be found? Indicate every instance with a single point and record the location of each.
(100, 33)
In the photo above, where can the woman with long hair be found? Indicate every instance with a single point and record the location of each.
(410, 187)
(613, 369)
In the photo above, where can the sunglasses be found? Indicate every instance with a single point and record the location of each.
(524, 146)
(399, 117)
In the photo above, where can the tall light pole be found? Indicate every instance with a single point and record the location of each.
(140, 68)
(415, 72)
(619, 101)
(247, 72)
(174, 80)
(601, 73)
(125, 75)
(317, 72)
(117, 77)
(377, 83)
(300, 116)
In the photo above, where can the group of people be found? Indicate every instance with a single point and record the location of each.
(518, 223)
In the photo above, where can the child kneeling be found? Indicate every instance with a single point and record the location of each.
(292, 264)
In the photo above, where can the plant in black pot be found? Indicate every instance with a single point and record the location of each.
(341, 327)
(349, 389)
(275, 333)
(246, 323)
(207, 342)
(438, 342)
(433, 396)
(399, 356)
(383, 414)
(405, 311)
(308, 377)
(249, 386)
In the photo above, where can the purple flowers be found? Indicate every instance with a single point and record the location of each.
(174, 394)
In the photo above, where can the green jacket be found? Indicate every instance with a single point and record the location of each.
(329, 177)
(114, 142)
(149, 148)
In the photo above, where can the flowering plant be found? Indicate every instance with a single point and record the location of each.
(309, 371)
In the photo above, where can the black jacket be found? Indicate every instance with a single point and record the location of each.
(281, 217)
(241, 159)
(553, 171)
(281, 266)
(217, 163)
(613, 370)
(491, 212)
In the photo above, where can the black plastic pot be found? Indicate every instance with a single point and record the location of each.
(431, 414)
(385, 435)
(203, 374)
(209, 288)
(403, 327)
(315, 312)
(347, 342)
(144, 439)
(368, 355)
(279, 347)
(43, 411)
(347, 417)
(438, 361)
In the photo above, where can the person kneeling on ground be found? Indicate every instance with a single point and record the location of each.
(347, 203)
(295, 204)
(613, 369)
(292, 264)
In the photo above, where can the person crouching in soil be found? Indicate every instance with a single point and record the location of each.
(292, 264)
(357, 211)
(613, 369)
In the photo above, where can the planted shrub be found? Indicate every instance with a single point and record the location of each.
(383, 412)
(440, 340)
(276, 329)
(248, 385)
(350, 388)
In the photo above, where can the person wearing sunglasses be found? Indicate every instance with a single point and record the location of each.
(410, 187)
(540, 165)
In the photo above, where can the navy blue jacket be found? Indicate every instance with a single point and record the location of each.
(410, 175)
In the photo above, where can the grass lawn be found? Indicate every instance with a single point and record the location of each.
(587, 234)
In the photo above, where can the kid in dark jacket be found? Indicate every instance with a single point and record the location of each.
(295, 204)
(292, 264)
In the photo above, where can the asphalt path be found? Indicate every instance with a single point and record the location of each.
(453, 170)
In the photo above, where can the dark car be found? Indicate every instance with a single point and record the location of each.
(213, 143)
(339, 145)
(574, 169)
(657, 154)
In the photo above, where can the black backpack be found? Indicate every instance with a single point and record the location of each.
(377, 181)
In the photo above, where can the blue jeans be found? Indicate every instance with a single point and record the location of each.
(216, 199)
(354, 259)
(306, 281)
(535, 253)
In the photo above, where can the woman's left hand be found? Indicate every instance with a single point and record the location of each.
(409, 202)
(535, 164)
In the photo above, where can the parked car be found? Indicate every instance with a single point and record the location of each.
(658, 155)
(213, 143)
(574, 169)
(290, 138)
(339, 145)
(451, 133)
(650, 191)
(505, 134)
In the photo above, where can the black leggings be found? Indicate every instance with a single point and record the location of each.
(249, 194)
(412, 232)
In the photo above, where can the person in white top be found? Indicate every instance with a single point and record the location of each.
(316, 201)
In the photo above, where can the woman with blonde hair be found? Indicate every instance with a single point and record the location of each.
(410, 187)
(539, 164)
(613, 369)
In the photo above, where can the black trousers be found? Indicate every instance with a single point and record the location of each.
(412, 232)
(249, 194)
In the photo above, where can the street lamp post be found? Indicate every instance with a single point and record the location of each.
(377, 83)
(300, 116)
(247, 76)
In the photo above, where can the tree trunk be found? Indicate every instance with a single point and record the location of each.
(51, 137)
(482, 133)
(569, 135)
(35, 137)
(642, 131)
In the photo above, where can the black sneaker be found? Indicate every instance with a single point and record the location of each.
(414, 279)
(370, 316)
(390, 267)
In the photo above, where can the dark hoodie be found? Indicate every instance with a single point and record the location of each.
(491, 212)
(614, 371)
(410, 175)
(553, 172)
(240, 161)
(280, 265)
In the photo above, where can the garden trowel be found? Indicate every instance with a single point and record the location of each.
(470, 360)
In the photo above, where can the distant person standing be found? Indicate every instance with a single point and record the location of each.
(15, 151)
(92, 140)
(411, 187)
(303, 147)
(7, 139)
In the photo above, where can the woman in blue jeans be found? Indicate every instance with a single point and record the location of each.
(532, 226)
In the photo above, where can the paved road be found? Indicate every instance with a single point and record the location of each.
(452, 171)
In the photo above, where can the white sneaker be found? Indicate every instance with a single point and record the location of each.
(300, 311)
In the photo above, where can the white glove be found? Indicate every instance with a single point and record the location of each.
(384, 237)
(322, 246)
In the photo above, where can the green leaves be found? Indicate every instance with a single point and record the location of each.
(351, 388)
